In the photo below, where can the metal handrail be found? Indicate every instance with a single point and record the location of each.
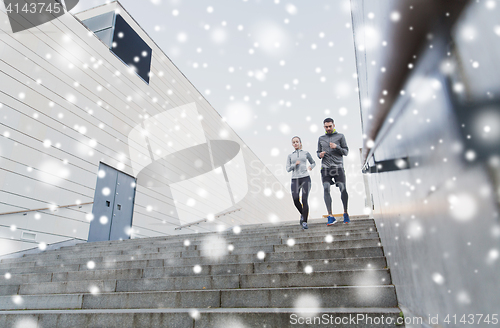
(205, 219)
(44, 209)
(405, 48)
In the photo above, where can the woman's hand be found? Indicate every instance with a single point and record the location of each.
(309, 168)
(297, 162)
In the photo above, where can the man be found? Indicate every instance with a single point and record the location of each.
(331, 149)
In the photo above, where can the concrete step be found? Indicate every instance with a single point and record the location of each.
(17, 264)
(288, 229)
(312, 227)
(25, 278)
(299, 232)
(317, 279)
(348, 296)
(72, 274)
(126, 249)
(296, 231)
(275, 280)
(365, 277)
(290, 248)
(206, 318)
(197, 245)
(326, 237)
(274, 240)
(295, 221)
(181, 252)
(281, 256)
(130, 262)
(33, 278)
(67, 287)
(357, 243)
(339, 271)
(39, 269)
(270, 267)
(291, 226)
(9, 289)
(320, 265)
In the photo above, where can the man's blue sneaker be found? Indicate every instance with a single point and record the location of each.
(304, 225)
(346, 218)
(301, 220)
(331, 220)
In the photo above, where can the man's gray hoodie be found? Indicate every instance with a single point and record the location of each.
(333, 157)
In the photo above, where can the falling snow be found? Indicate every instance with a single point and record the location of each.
(271, 77)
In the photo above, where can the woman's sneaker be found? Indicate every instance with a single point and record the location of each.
(331, 220)
(304, 225)
(346, 218)
(301, 220)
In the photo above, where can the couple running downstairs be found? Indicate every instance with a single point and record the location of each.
(331, 149)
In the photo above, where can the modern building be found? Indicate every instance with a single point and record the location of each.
(429, 93)
(102, 133)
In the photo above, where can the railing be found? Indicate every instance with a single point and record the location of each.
(205, 219)
(45, 209)
(403, 48)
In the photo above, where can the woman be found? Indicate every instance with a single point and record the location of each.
(297, 163)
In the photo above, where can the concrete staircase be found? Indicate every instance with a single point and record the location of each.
(261, 276)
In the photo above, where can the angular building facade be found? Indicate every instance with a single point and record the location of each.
(102, 133)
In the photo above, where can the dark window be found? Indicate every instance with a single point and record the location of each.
(131, 48)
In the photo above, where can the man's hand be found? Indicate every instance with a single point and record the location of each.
(297, 162)
(322, 154)
(333, 145)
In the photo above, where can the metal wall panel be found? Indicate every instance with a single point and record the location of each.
(438, 218)
(76, 93)
(121, 223)
(104, 203)
(100, 22)
(106, 36)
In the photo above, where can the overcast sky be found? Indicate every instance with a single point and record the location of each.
(272, 68)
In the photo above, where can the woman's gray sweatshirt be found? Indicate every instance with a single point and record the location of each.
(299, 171)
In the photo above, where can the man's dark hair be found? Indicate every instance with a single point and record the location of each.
(328, 120)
